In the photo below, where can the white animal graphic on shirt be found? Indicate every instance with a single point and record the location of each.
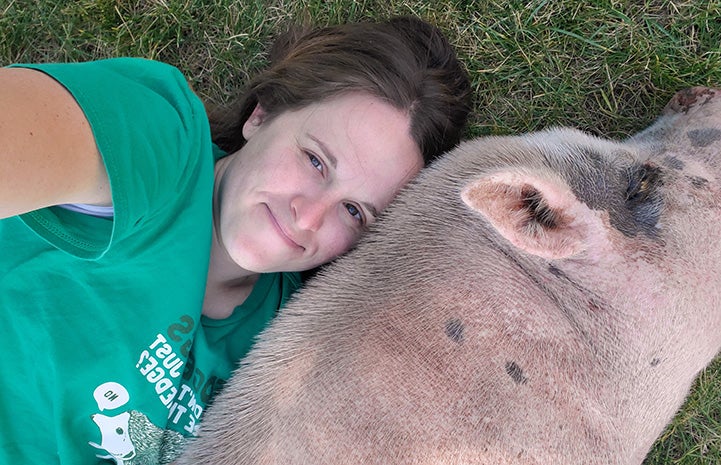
(115, 437)
(130, 438)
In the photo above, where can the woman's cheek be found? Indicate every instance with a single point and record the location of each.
(341, 244)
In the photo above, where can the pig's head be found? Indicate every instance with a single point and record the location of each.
(546, 298)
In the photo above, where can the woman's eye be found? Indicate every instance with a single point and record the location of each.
(354, 212)
(315, 161)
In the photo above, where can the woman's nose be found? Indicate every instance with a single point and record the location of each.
(310, 213)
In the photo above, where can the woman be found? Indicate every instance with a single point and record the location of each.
(124, 222)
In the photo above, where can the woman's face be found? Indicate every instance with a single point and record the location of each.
(307, 182)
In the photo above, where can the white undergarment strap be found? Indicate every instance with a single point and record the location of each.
(92, 210)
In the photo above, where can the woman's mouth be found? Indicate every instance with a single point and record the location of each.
(281, 231)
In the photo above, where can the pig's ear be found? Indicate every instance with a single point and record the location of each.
(538, 214)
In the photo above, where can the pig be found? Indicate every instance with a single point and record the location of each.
(546, 298)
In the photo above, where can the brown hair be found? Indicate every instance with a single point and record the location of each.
(404, 61)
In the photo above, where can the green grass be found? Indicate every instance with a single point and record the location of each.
(607, 67)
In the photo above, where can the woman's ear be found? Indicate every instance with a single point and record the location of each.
(253, 122)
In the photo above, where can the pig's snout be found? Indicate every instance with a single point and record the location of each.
(685, 100)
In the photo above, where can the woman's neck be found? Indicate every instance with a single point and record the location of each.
(227, 285)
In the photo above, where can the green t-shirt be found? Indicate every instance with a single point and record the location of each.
(107, 358)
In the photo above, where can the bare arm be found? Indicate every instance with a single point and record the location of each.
(48, 154)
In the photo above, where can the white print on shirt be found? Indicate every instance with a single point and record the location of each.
(130, 437)
(160, 365)
(113, 430)
(110, 396)
(114, 437)
(177, 409)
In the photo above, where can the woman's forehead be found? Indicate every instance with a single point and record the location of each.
(368, 142)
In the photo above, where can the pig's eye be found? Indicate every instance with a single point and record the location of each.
(642, 198)
(641, 184)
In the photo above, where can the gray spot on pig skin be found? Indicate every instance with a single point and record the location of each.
(655, 362)
(698, 182)
(674, 163)
(516, 373)
(556, 272)
(454, 330)
(704, 137)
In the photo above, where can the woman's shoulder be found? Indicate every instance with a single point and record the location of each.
(151, 132)
(126, 76)
(126, 66)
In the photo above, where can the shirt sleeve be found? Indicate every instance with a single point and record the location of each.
(151, 131)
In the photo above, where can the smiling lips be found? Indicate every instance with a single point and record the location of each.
(281, 231)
